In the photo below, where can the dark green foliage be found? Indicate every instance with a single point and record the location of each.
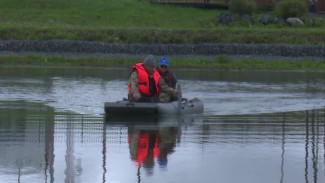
(290, 8)
(242, 7)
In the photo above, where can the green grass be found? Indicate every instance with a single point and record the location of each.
(133, 21)
(222, 62)
(101, 14)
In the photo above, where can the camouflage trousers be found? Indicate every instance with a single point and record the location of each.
(162, 97)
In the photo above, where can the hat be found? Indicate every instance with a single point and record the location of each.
(150, 61)
(163, 61)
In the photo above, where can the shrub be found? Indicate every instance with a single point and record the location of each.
(290, 8)
(242, 7)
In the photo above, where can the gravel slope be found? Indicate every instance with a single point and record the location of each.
(102, 49)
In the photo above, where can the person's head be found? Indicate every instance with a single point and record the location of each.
(149, 63)
(163, 64)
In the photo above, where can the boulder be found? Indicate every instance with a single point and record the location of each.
(225, 18)
(266, 18)
(294, 21)
(247, 17)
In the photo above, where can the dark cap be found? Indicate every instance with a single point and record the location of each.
(150, 61)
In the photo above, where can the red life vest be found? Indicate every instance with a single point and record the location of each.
(144, 148)
(143, 80)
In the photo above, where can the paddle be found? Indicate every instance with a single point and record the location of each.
(179, 99)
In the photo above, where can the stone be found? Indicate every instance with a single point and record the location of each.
(266, 18)
(247, 17)
(225, 18)
(294, 21)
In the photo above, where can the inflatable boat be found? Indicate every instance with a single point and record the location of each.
(183, 106)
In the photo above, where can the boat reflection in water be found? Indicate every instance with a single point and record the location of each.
(152, 138)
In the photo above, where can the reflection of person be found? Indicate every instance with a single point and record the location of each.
(146, 146)
(146, 85)
(167, 143)
(165, 73)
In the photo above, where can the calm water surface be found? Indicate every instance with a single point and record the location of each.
(258, 126)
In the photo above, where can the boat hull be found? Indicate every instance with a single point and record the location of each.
(125, 107)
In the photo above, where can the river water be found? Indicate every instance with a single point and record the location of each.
(257, 126)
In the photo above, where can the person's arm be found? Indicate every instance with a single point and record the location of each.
(134, 91)
(164, 88)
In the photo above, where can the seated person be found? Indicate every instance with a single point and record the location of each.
(165, 73)
(146, 85)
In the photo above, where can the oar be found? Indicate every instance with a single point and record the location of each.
(179, 99)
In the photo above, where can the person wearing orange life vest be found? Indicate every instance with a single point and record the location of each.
(146, 85)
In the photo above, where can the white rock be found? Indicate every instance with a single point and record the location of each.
(294, 21)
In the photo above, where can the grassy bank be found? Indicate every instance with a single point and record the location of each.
(221, 62)
(132, 21)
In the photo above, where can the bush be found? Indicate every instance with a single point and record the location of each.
(242, 7)
(290, 8)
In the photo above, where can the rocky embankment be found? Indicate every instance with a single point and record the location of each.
(88, 48)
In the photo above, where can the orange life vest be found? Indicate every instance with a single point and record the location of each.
(143, 80)
(144, 147)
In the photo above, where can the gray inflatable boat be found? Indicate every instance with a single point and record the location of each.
(183, 106)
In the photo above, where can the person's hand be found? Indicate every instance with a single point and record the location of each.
(136, 96)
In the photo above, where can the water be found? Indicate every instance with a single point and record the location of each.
(257, 126)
